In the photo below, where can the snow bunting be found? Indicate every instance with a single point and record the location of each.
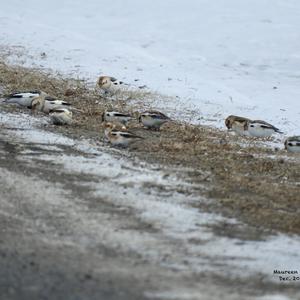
(61, 116)
(119, 137)
(115, 116)
(23, 98)
(153, 119)
(110, 84)
(46, 103)
(237, 124)
(260, 129)
(292, 144)
(110, 126)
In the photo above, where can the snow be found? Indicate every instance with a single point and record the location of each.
(213, 58)
(12, 121)
(217, 57)
(172, 213)
(185, 294)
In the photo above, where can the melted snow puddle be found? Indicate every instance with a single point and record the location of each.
(155, 199)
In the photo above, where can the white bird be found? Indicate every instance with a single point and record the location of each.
(261, 129)
(153, 119)
(119, 137)
(115, 116)
(46, 104)
(23, 99)
(61, 116)
(110, 85)
(237, 124)
(110, 126)
(292, 144)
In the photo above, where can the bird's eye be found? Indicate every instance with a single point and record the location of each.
(251, 125)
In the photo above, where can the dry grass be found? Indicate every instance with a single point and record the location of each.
(243, 182)
(246, 182)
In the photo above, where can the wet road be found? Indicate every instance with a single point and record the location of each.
(84, 221)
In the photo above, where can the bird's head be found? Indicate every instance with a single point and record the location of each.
(104, 81)
(229, 121)
(35, 103)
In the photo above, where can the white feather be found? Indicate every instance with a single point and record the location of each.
(115, 116)
(256, 130)
(153, 120)
(61, 117)
(23, 99)
(292, 144)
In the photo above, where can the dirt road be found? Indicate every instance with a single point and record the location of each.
(81, 220)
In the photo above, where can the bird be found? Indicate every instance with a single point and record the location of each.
(61, 116)
(109, 126)
(110, 85)
(237, 124)
(115, 116)
(292, 144)
(261, 129)
(24, 98)
(119, 137)
(46, 103)
(153, 119)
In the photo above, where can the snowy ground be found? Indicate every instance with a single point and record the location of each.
(219, 57)
(215, 58)
(80, 196)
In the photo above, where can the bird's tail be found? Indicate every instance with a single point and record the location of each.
(278, 131)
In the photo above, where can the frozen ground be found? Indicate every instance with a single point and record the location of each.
(126, 220)
(219, 57)
(60, 198)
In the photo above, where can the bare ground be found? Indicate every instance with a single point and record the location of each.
(71, 245)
